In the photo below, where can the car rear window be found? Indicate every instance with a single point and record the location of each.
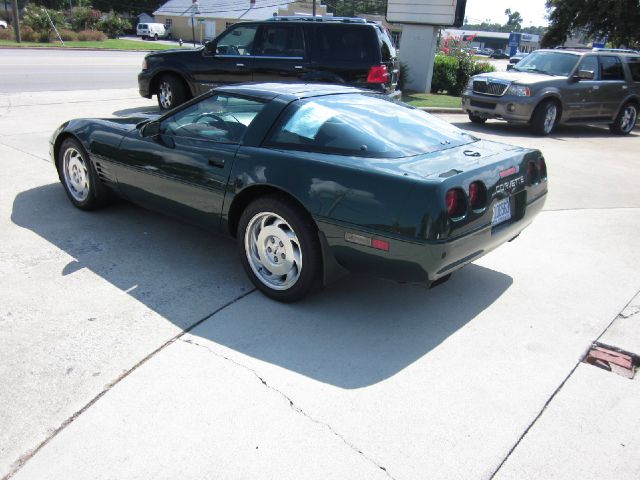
(634, 68)
(611, 68)
(345, 43)
(363, 125)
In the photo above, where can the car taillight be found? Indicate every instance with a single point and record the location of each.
(477, 195)
(378, 74)
(455, 202)
(533, 173)
(542, 168)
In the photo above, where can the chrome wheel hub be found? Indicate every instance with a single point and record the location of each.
(550, 117)
(76, 176)
(629, 118)
(273, 251)
(166, 97)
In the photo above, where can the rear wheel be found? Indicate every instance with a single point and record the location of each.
(155, 37)
(477, 118)
(171, 92)
(625, 120)
(545, 117)
(279, 248)
(80, 181)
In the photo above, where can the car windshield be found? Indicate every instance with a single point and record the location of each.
(551, 63)
(364, 125)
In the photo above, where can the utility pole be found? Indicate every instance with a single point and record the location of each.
(314, 8)
(194, 11)
(16, 21)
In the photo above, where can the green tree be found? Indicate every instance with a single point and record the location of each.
(113, 25)
(514, 22)
(618, 19)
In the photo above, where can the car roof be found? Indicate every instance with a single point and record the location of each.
(295, 91)
(580, 51)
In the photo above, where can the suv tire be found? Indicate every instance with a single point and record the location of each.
(545, 117)
(477, 118)
(625, 120)
(171, 92)
(279, 248)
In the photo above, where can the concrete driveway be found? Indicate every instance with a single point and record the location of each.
(133, 346)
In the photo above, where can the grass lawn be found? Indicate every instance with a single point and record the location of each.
(110, 44)
(431, 100)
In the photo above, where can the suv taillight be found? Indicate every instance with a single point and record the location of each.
(378, 74)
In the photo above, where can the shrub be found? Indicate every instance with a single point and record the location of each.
(444, 73)
(84, 18)
(27, 34)
(43, 37)
(403, 78)
(68, 35)
(452, 72)
(6, 33)
(36, 18)
(114, 26)
(91, 36)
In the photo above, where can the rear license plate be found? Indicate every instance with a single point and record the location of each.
(501, 212)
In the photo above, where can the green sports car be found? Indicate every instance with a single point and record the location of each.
(312, 181)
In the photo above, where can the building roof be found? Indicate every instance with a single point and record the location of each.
(232, 9)
(526, 37)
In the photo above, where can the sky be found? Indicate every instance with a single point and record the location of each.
(532, 11)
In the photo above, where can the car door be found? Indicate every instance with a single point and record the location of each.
(228, 59)
(183, 169)
(581, 97)
(613, 86)
(280, 53)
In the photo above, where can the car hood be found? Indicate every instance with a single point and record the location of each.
(175, 53)
(523, 78)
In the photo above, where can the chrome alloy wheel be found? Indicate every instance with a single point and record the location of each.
(273, 251)
(76, 175)
(165, 94)
(629, 117)
(550, 117)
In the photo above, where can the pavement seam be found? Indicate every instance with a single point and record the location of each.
(24, 458)
(557, 390)
(25, 152)
(292, 404)
(71, 101)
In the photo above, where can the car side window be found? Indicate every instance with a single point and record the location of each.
(590, 64)
(345, 43)
(219, 118)
(238, 41)
(634, 68)
(611, 68)
(280, 41)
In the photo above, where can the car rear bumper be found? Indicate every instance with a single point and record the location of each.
(506, 107)
(423, 262)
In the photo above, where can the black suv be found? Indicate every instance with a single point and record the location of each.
(353, 51)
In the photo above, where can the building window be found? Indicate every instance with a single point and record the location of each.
(168, 23)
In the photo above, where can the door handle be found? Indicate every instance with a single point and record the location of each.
(216, 162)
(298, 67)
(241, 65)
(596, 87)
(624, 87)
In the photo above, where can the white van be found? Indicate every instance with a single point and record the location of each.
(154, 31)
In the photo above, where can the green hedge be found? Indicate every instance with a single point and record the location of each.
(451, 74)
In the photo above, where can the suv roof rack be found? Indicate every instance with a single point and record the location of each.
(309, 18)
(578, 49)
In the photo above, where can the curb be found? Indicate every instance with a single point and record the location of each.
(84, 49)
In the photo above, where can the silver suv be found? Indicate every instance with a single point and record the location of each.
(549, 87)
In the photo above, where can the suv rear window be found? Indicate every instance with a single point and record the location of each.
(345, 43)
(634, 68)
(611, 68)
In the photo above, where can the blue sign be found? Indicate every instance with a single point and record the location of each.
(600, 42)
(514, 43)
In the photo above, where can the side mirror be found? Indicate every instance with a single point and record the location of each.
(584, 75)
(210, 47)
(510, 66)
(151, 129)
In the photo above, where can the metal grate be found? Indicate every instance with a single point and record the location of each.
(489, 88)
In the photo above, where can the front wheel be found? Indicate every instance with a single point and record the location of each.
(279, 248)
(477, 118)
(625, 120)
(171, 92)
(544, 117)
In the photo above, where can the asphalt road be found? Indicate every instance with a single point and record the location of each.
(46, 69)
(478, 378)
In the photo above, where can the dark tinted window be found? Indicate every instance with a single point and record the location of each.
(611, 68)
(365, 126)
(280, 41)
(346, 43)
(590, 63)
(634, 67)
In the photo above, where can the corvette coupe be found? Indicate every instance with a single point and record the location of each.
(312, 181)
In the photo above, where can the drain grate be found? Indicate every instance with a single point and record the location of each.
(612, 359)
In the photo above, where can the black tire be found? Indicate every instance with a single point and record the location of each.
(477, 118)
(75, 168)
(301, 258)
(144, 37)
(155, 37)
(171, 92)
(545, 117)
(625, 120)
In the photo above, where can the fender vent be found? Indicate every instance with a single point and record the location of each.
(103, 174)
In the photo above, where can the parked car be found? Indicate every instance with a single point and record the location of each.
(153, 31)
(3, 24)
(485, 51)
(499, 54)
(352, 51)
(312, 180)
(549, 87)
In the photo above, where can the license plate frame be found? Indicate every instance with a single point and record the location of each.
(501, 212)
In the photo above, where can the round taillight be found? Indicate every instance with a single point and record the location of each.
(455, 202)
(533, 173)
(542, 168)
(477, 195)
